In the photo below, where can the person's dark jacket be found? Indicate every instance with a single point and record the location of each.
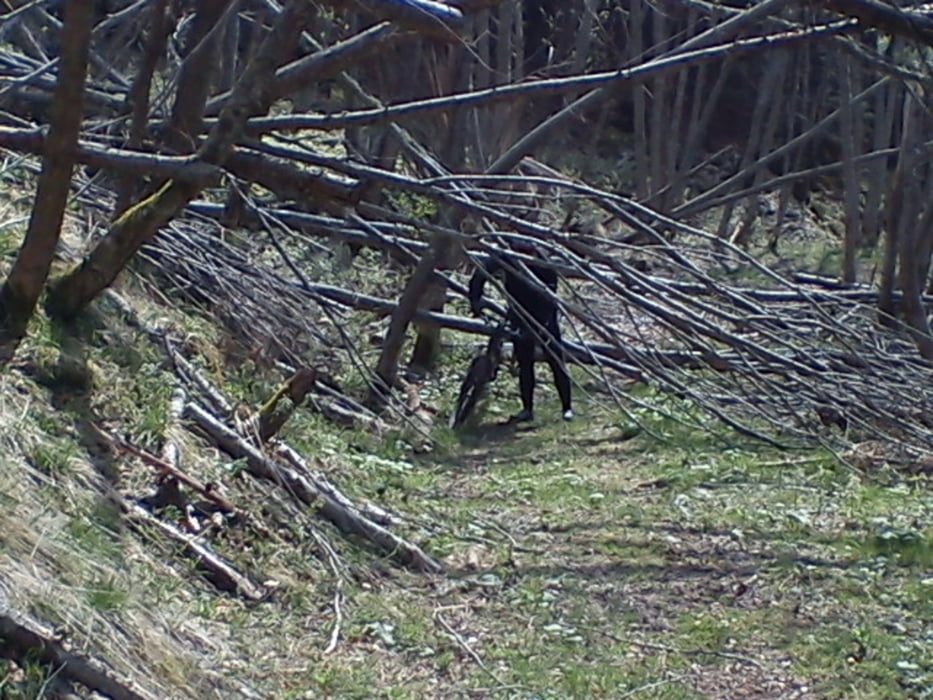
(525, 297)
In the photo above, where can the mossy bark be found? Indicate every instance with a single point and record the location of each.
(277, 410)
(21, 291)
(252, 96)
(127, 234)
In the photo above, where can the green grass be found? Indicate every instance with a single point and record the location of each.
(649, 555)
(584, 562)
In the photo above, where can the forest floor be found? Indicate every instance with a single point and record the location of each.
(585, 559)
(591, 563)
(624, 554)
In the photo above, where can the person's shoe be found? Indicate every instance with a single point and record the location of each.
(568, 414)
(524, 416)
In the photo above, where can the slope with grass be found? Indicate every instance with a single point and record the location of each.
(620, 555)
(590, 559)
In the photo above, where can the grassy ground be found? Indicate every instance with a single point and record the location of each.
(590, 559)
(591, 565)
(586, 559)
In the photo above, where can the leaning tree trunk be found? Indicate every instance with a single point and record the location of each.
(456, 74)
(156, 39)
(417, 286)
(253, 95)
(197, 73)
(21, 291)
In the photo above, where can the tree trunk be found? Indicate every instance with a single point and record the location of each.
(901, 209)
(851, 186)
(157, 37)
(643, 185)
(884, 110)
(762, 122)
(427, 344)
(418, 283)
(253, 95)
(21, 291)
(230, 52)
(914, 245)
(196, 75)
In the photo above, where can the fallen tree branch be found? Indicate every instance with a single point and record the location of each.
(209, 491)
(127, 162)
(312, 489)
(26, 641)
(219, 572)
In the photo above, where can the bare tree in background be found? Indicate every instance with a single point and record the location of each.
(199, 71)
(909, 231)
(158, 29)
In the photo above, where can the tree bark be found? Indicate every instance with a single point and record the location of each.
(25, 641)
(387, 367)
(197, 73)
(851, 186)
(884, 111)
(897, 212)
(141, 222)
(156, 40)
(21, 291)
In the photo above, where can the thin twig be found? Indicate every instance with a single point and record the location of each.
(462, 643)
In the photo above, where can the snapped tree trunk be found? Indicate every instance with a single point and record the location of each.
(387, 367)
(21, 291)
(252, 96)
(427, 345)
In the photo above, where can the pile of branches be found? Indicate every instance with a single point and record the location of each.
(791, 361)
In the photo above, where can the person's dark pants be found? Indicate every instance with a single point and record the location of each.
(549, 338)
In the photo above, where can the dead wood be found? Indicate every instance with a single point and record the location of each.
(673, 322)
(887, 17)
(219, 402)
(142, 221)
(24, 641)
(276, 411)
(656, 68)
(429, 18)
(219, 572)
(325, 63)
(312, 489)
(170, 452)
(167, 468)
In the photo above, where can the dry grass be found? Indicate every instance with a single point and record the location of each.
(584, 562)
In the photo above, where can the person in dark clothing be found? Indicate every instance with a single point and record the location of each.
(533, 312)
